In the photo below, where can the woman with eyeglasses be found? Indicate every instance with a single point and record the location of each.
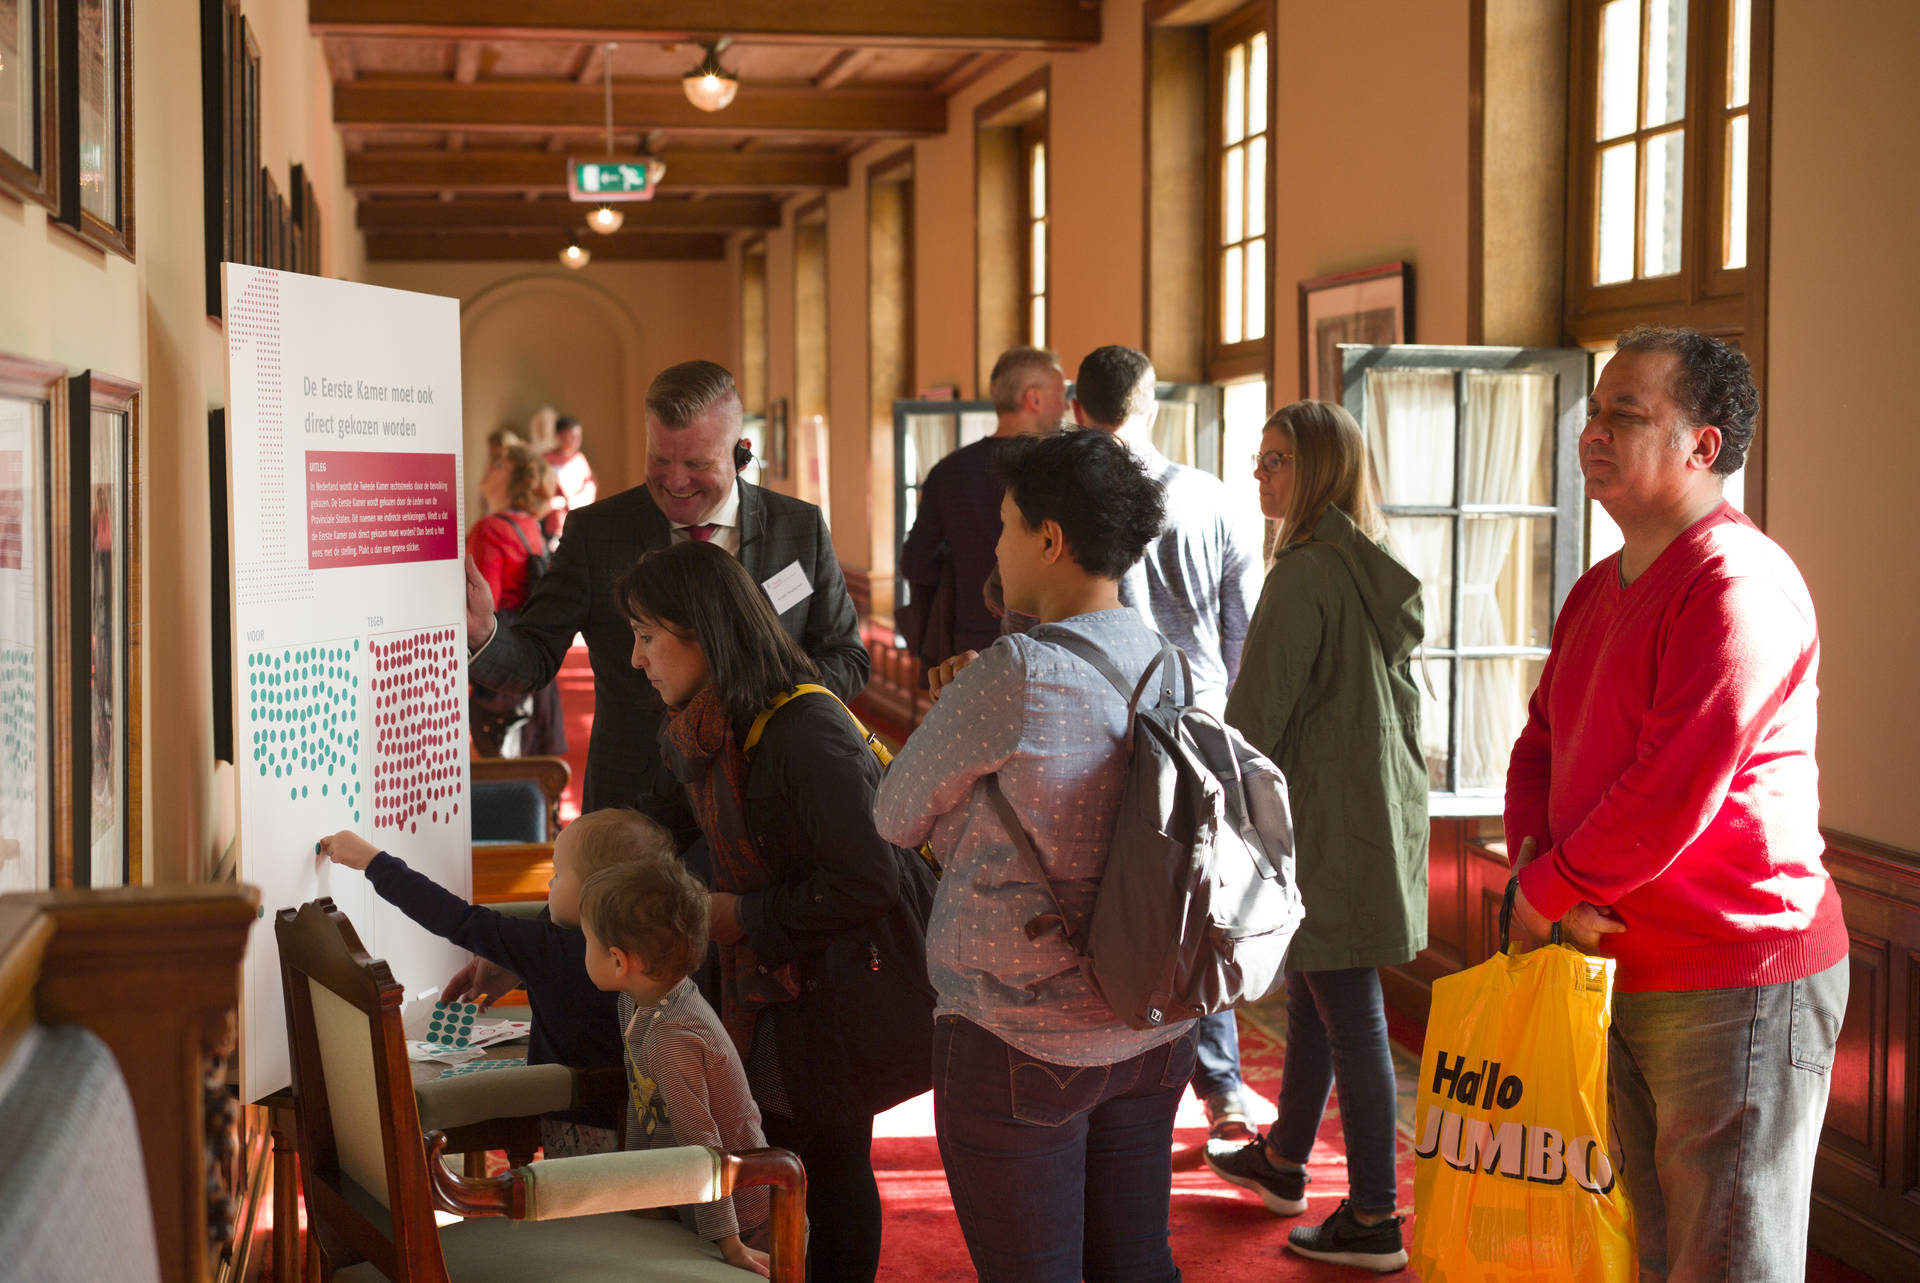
(1326, 690)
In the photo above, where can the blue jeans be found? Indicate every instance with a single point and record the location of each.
(1718, 1097)
(1058, 1172)
(1337, 1033)
(1216, 1046)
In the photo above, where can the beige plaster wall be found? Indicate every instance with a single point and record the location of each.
(145, 320)
(1843, 437)
(1370, 158)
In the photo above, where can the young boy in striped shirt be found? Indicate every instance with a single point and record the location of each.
(646, 927)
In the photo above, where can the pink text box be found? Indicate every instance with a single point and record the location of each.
(371, 509)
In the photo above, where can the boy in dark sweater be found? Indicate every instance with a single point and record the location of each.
(573, 1020)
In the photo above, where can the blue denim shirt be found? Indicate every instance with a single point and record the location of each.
(1053, 729)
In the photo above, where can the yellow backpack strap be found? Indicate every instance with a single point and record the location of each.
(880, 750)
(810, 688)
(780, 701)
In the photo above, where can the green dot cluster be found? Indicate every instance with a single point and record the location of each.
(19, 724)
(304, 711)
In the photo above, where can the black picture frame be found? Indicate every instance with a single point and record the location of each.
(36, 177)
(218, 123)
(109, 229)
(220, 573)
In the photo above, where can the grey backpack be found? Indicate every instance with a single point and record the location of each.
(1198, 902)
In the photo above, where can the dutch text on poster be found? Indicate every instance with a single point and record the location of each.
(344, 458)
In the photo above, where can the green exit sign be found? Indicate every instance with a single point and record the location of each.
(609, 179)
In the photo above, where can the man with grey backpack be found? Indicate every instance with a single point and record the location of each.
(1058, 1063)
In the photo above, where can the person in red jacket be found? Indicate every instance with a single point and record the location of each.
(1663, 805)
(516, 486)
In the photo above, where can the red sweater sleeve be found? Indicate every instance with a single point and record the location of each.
(1734, 651)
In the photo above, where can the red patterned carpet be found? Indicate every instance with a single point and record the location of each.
(1219, 1232)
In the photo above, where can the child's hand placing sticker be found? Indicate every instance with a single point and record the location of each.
(348, 848)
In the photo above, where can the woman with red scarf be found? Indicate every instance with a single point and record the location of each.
(820, 923)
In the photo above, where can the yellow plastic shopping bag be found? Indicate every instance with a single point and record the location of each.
(1513, 1181)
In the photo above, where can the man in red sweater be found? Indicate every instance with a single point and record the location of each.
(1664, 805)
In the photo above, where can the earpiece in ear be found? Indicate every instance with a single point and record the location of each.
(742, 454)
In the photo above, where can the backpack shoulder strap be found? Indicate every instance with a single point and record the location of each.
(1129, 691)
(759, 726)
(519, 534)
(1017, 831)
(780, 701)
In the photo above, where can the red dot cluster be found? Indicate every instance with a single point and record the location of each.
(419, 732)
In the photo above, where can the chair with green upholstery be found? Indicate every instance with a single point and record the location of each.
(373, 1181)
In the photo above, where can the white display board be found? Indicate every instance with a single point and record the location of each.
(350, 669)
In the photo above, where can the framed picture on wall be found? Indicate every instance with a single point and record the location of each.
(778, 462)
(103, 565)
(95, 79)
(1373, 306)
(31, 399)
(29, 142)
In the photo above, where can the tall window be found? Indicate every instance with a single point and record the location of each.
(1035, 143)
(1664, 148)
(1237, 338)
(1011, 201)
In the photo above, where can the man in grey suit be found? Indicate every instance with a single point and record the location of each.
(693, 491)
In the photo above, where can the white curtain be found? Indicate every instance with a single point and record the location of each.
(930, 438)
(1507, 418)
(1173, 430)
(1410, 439)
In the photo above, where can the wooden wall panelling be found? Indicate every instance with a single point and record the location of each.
(1866, 1186)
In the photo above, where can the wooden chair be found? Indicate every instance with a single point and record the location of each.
(117, 1144)
(546, 776)
(372, 1182)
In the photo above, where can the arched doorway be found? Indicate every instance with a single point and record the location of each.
(546, 339)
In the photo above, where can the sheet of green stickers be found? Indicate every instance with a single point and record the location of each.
(451, 1024)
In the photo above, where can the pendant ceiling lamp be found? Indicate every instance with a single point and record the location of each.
(606, 219)
(575, 257)
(709, 86)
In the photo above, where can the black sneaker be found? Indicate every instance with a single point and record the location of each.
(1283, 1190)
(1343, 1240)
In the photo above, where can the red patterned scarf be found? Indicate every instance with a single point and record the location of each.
(698, 744)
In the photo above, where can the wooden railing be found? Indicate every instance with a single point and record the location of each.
(896, 696)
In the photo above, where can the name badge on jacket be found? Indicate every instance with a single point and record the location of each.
(788, 589)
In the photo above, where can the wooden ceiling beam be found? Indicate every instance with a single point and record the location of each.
(466, 62)
(542, 246)
(503, 214)
(948, 24)
(844, 66)
(520, 171)
(520, 107)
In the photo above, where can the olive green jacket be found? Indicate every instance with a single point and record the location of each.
(1326, 690)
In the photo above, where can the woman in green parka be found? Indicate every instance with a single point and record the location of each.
(1326, 690)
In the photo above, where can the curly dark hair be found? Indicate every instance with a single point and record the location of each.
(1714, 386)
(1108, 508)
(1114, 384)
